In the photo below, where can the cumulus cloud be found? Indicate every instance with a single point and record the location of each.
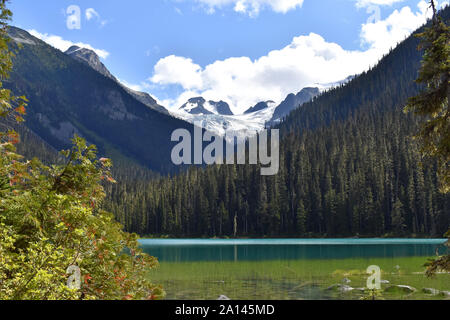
(252, 7)
(307, 60)
(366, 3)
(243, 82)
(173, 69)
(63, 45)
(385, 34)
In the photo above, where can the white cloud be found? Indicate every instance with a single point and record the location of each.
(252, 7)
(385, 34)
(306, 61)
(243, 82)
(63, 45)
(367, 3)
(91, 13)
(173, 69)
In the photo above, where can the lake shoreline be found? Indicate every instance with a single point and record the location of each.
(283, 238)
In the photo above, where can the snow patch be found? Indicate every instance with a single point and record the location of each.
(242, 126)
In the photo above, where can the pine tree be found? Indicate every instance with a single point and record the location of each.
(398, 222)
(432, 103)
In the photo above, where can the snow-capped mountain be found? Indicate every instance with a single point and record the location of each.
(260, 106)
(90, 58)
(202, 107)
(217, 117)
(244, 125)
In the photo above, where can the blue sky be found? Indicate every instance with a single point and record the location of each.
(240, 51)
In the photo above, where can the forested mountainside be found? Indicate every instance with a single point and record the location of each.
(68, 96)
(348, 167)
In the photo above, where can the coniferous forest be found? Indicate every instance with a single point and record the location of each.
(349, 167)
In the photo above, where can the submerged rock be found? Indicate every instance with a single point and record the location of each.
(400, 288)
(431, 291)
(346, 280)
(445, 293)
(340, 287)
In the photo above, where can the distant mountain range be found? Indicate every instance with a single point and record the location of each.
(214, 116)
(218, 118)
(73, 93)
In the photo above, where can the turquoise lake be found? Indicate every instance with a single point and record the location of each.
(190, 250)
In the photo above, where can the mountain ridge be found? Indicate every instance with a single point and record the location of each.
(199, 105)
(90, 58)
(294, 101)
(69, 97)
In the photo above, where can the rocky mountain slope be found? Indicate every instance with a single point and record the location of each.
(70, 97)
(90, 58)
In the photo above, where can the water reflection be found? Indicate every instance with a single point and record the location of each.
(198, 250)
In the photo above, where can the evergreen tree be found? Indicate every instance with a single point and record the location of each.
(433, 102)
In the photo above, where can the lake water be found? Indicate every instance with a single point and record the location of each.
(289, 268)
(185, 250)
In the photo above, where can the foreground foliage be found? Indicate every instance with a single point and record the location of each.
(50, 220)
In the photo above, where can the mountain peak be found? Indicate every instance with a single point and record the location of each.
(199, 105)
(21, 36)
(221, 108)
(195, 106)
(260, 106)
(90, 58)
(72, 49)
(294, 101)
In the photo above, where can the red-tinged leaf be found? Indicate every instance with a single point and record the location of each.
(20, 110)
(110, 179)
(87, 278)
